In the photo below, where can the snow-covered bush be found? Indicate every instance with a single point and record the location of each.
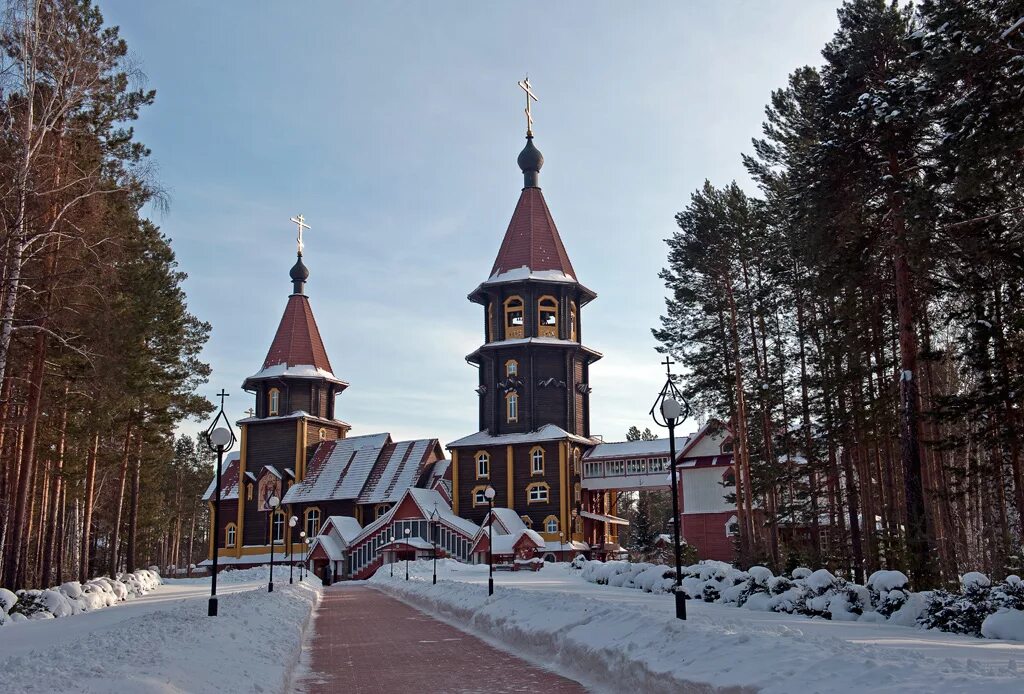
(1009, 593)
(1004, 624)
(961, 613)
(711, 592)
(72, 597)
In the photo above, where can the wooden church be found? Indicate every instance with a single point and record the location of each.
(293, 446)
(368, 500)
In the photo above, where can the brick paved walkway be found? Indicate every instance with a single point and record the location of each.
(365, 641)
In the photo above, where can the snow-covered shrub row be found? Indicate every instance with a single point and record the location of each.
(980, 609)
(73, 597)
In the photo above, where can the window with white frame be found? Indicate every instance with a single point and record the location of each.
(537, 461)
(483, 465)
(230, 533)
(537, 493)
(312, 522)
(278, 527)
(551, 525)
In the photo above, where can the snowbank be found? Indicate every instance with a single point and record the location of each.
(885, 598)
(73, 598)
(165, 642)
(615, 640)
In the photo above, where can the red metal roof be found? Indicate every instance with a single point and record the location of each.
(298, 341)
(532, 239)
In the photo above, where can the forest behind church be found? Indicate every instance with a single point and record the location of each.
(859, 320)
(98, 351)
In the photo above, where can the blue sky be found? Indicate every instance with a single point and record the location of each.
(394, 128)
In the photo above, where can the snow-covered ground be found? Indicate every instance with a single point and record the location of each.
(164, 642)
(620, 638)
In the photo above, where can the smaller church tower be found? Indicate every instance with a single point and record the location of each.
(294, 410)
(534, 392)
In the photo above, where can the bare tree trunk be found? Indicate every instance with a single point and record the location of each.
(56, 491)
(119, 502)
(90, 490)
(133, 514)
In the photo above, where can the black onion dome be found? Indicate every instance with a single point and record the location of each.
(530, 162)
(299, 274)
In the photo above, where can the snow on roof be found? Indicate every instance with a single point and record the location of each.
(566, 546)
(272, 470)
(298, 371)
(430, 499)
(525, 273)
(505, 544)
(417, 542)
(440, 468)
(228, 479)
(339, 469)
(330, 545)
(632, 449)
(347, 527)
(294, 415)
(508, 520)
(548, 432)
(614, 520)
(404, 461)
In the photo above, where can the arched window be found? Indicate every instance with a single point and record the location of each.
(380, 510)
(278, 528)
(490, 321)
(547, 316)
(537, 493)
(727, 446)
(322, 434)
(248, 491)
(511, 368)
(513, 318)
(512, 408)
(572, 321)
(312, 522)
(577, 492)
(480, 495)
(483, 465)
(527, 521)
(551, 524)
(275, 402)
(230, 532)
(537, 461)
(576, 462)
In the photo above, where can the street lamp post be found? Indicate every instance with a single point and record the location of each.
(305, 547)
(669, 409)
(391, 541)
(433, 537)
(274, 502)
(489, 495)
(291, 557)
(408, 532)
(219, 437)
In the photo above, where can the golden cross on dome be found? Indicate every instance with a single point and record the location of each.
(301, 222)
(527, 87)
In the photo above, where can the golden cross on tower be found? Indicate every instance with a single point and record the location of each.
(526, 87)
(301, 222)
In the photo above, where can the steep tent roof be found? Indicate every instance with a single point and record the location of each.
(532, 244)
(298, 342)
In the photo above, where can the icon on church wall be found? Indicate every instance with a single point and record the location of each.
(269, 487)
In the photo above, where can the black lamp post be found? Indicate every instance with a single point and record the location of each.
(291, 556)
(489, 495)
(669, 409)
(433, 537)
(305, 560)
(219, 437)
(391, 541)
(274, 502)
(408, 532)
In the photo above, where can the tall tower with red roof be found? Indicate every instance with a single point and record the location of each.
(294, 393)
(534, 393)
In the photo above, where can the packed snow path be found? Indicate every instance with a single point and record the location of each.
(365, 641)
